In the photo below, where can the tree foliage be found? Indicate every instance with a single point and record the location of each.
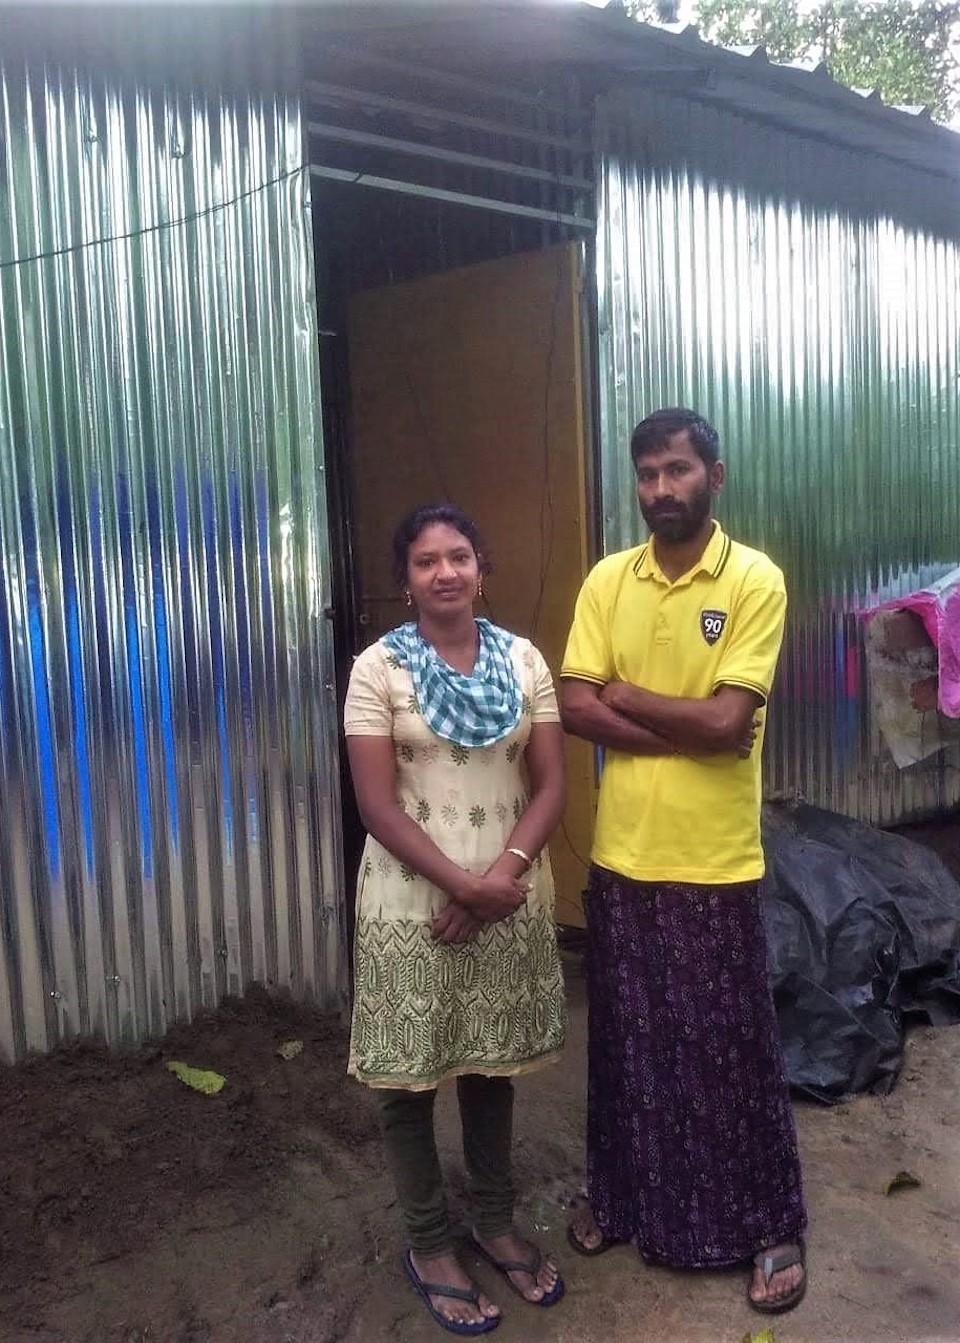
(909, 50)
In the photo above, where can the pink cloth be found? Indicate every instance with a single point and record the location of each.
(938, 606)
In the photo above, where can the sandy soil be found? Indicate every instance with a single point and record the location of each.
(135, 1210)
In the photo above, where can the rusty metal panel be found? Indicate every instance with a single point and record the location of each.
(809, 305)
(168, 747)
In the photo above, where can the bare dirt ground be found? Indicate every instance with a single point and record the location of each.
(134, 1210)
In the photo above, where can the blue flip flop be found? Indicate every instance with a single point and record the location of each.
(530, 1266)
(427, 1289)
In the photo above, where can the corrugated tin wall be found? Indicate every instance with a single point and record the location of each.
(737, 275)
(168, 774)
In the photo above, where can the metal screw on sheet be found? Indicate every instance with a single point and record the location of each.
(113, 981)
(56, 995)
(222, 952)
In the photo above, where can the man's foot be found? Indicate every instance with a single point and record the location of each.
(779, 1278)
(445, 1268)
(537, 1286)
(583, 1233)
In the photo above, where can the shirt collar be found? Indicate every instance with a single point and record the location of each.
(712, 561)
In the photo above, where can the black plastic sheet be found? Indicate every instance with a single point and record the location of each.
(863, 929)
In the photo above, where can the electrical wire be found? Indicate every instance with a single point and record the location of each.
(401, 348)
(547, 529)
(584, 862)
(163, 226)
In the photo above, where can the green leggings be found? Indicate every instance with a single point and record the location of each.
(486, 1117)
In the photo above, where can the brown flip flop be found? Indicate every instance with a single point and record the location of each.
(589, 1252)
(770, 1263)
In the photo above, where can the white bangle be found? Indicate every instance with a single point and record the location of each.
(519, 853)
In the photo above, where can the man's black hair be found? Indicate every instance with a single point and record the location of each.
(652, 434)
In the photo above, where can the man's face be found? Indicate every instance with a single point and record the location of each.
(675, 488)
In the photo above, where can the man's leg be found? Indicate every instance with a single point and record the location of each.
(691, 1150)
(615, 1012)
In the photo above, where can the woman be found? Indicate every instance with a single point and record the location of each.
(457, 760)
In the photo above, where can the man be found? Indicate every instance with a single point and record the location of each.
(691, 1147)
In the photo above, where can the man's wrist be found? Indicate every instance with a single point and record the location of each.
(626, 700)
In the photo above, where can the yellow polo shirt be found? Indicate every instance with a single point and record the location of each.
(680, 818)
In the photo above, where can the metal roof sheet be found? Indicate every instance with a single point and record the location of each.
(526, 39)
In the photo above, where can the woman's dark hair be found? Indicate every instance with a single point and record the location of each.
(425, 516)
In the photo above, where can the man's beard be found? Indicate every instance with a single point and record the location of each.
(683, 521)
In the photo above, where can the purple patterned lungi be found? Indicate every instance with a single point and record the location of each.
(691, 1145)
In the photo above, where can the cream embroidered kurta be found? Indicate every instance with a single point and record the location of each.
(425, 1010)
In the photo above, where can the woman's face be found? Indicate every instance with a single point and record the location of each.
(442, 571)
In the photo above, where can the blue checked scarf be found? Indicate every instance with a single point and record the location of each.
(475, 710)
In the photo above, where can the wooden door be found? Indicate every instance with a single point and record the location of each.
(467, 387)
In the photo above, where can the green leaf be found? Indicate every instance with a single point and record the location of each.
(200, 1079)
(902, 1180)
(764, 1336)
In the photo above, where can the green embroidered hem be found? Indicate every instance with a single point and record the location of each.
(425, 1010)
(427, 1084)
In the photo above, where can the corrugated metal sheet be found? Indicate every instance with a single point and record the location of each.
(168, 770)
(737, 275)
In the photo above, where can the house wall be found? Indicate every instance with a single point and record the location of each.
(806, 299)
(168, 775)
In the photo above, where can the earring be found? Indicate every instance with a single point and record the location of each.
(480, 586)
(408, 599)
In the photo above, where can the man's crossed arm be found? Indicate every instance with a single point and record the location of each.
(627, 718)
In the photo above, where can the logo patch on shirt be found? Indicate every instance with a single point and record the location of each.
(711, 625)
